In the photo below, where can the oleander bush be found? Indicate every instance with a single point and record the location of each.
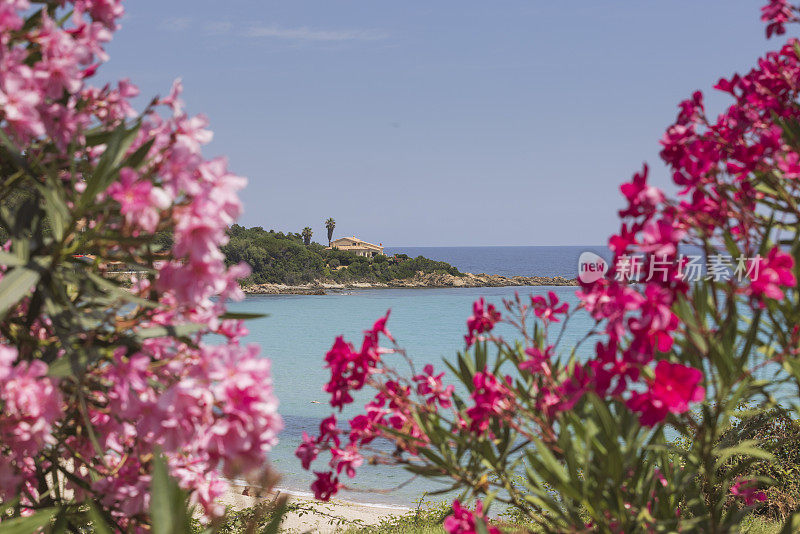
(637, 428)
(116, 412)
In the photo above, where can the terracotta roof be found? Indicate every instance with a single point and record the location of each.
(357, 241)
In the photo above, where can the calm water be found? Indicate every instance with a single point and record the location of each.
(508, 261)
(428, 323)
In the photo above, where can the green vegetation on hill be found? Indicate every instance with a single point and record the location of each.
(281, 258)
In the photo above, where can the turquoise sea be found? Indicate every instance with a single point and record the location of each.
(428, 323)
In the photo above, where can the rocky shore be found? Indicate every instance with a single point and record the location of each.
(420, 280)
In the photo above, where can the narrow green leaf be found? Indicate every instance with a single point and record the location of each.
(118, 143)
(244, 316)
(10, 260)
(273, 527)
(173, 331)
(26, 525)
(15, 285)
(120, 292)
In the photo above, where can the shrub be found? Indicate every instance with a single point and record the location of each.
(577, 446)
(115, 410)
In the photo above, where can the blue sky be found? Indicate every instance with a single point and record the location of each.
(437, 123)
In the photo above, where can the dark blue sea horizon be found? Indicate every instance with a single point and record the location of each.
(508, 261)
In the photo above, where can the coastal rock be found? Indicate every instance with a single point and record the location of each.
(419, 280)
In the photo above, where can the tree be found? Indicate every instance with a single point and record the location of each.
(330, 224)
(307, 233)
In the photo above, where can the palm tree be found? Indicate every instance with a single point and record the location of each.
(306, 233)
(330, 224)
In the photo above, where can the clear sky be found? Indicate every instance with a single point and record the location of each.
(446, 122)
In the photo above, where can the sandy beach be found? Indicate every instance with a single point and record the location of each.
(316, 516)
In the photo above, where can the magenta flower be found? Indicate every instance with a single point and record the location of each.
(482, 320)
(642, 198)
(430, 386)
(661, 238)
(491, 397)
(777, 13)
(464, 521)
(539, 361)
(671, 391)
(325, 486)
(307, 451)
(747, 490)
(771, 274)
(346, 459)
(548, 311)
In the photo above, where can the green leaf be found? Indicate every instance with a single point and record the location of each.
(118, 143)
(15, 285)
(26, 525)
(244, 316)
(168, 502)
(99, 524)
(56, 208)
(745, 448)
(274, 525)
(135, 160)
(120, 292)
(10, 260)
(173, 331)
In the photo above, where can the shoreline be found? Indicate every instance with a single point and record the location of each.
(311, 515)
(419, 281)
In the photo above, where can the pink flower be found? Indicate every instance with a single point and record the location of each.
(140, 202)
(771, 274)
(671, 391)
(31, 404)
(491, 398)
(328, 431)
(642, 198)
(341, 360)
(747, 490)
(105, 11)
(430, 386)
(307, 451)
(539, 361)
(482, 320)
(548, 311)
(325, 486)
(661, 238)
(777, 13)
(346, 459)
(463, 520)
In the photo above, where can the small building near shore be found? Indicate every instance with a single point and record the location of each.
(358, 246)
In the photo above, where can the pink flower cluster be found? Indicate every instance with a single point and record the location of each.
(31, 404)
(777, 13)
(44, 97)
(774, 273)
(212, 413)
